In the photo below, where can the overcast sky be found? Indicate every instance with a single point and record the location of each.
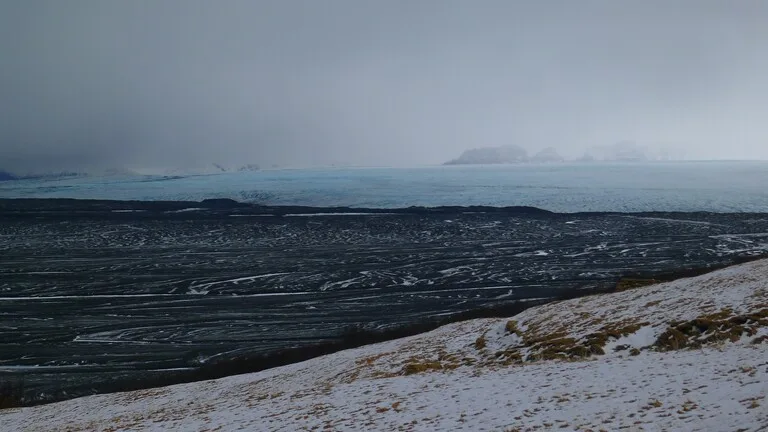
(386, 82)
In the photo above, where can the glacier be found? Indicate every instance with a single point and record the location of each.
(725, 186)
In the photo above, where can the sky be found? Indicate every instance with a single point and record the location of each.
(385, 82)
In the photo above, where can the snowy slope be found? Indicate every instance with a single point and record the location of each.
(685, 355)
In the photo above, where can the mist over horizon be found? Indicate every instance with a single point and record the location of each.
(92, 83)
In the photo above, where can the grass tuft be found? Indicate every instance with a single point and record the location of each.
(480, 343)
(414, 368)
(625, 284)
(512, 328)
(717, 327)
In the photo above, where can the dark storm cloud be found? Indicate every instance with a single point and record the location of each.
(151, 82)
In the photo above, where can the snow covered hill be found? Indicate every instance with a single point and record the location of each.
(685, 355)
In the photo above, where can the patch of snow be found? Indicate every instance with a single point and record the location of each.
(185, 210)
(251, 215)
(644, 337)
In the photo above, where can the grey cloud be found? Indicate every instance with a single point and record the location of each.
(375, 82)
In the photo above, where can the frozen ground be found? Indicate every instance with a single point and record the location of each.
(518, 374)
(92, 293)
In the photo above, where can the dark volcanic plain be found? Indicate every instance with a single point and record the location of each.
(97, 291)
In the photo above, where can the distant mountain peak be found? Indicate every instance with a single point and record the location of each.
(548, 154)
(491, 155)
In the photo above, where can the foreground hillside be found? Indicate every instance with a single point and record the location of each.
(685, 355)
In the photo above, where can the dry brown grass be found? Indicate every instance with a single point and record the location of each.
(414, 368)
(369, 361)
(511, 327)
(559, 346)
(625, 284)
(480, 343)
(716, 327)
(542, 341)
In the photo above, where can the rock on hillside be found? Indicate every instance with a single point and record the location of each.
(685, 355)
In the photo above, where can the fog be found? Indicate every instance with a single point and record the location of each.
(387, 82)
